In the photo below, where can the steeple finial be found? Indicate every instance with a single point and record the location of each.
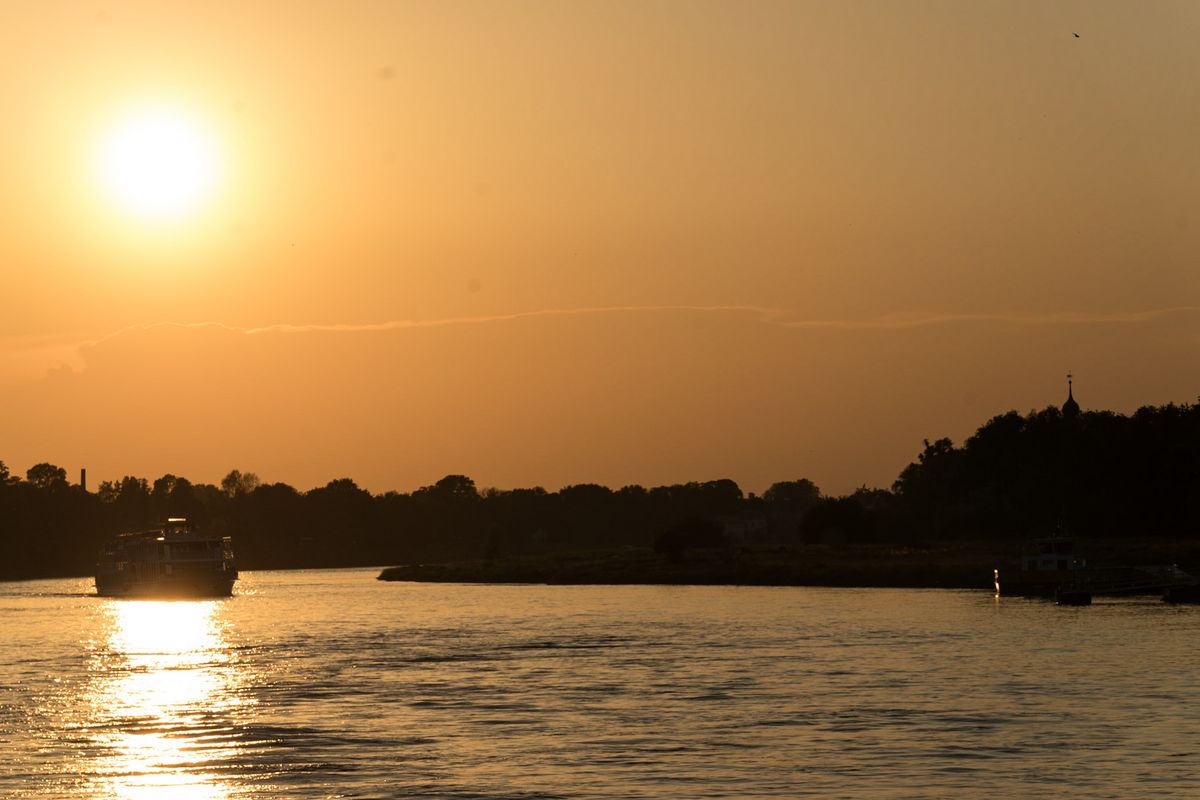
(1070, 408)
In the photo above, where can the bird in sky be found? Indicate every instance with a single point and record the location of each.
(1076, 35)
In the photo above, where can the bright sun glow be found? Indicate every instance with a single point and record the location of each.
(158, 163)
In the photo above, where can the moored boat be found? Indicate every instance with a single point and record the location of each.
(1046, 565)
(1051, 568)
(173, 560)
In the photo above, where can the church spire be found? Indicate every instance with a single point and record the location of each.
(1070, 409)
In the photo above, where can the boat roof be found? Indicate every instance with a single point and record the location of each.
(175, 529)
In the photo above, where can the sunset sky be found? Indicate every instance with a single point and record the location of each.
(613, 242)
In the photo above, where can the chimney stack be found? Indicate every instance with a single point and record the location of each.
(83, 478)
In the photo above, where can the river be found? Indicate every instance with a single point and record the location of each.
(330, 684)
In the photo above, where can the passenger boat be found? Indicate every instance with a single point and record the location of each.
(1046, 565)
(1051, 568)
(169, 561)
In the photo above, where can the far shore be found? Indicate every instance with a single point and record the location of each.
(955, 565)
(946, 568)
(967, 565)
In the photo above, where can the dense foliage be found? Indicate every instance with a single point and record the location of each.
(1099, 473)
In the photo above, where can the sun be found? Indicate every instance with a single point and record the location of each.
(158, 163)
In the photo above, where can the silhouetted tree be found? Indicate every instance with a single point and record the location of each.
(46, 476)
(687, 534)
(128, 502)
(172, 496)
(270, 526)
(929, 489)
(798, 494)
(454, 488)
(237, 484)
(837, 520)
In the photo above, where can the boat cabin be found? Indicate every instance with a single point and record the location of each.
(1051, 554)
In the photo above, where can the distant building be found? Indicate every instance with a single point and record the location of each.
(1070, 409)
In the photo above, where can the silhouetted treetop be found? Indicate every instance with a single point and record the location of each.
(237, 483)
(452, 488)
(46, 476)
(344, 487)
(586, 493)
(800, 494)
(1097, 474)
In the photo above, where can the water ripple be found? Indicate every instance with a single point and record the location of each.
(332, 685)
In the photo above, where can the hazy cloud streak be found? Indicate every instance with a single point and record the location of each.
(914, 320)
(27, 348)
(773, 316)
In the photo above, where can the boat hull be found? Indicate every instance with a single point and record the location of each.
(162, 588)
(1033, 583)
(1073, 597)
(1187, 593)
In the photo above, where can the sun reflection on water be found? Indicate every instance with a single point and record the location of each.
(164, 695)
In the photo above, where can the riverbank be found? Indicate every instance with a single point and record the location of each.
(961, 565)
(953, 567)
(964, 565)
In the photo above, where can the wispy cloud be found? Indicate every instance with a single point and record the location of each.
(441, 322)
(766, 315)
(64, 351)
(393, 325)
(925, 320)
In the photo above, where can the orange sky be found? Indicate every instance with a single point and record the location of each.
(548, 243)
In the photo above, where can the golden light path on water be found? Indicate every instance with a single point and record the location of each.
(164, 673)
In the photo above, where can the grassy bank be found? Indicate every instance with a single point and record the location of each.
(959, 566)
(964, 565)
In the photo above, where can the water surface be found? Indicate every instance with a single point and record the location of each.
(329, 684)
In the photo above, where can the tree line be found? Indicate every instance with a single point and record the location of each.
(1018, 476)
